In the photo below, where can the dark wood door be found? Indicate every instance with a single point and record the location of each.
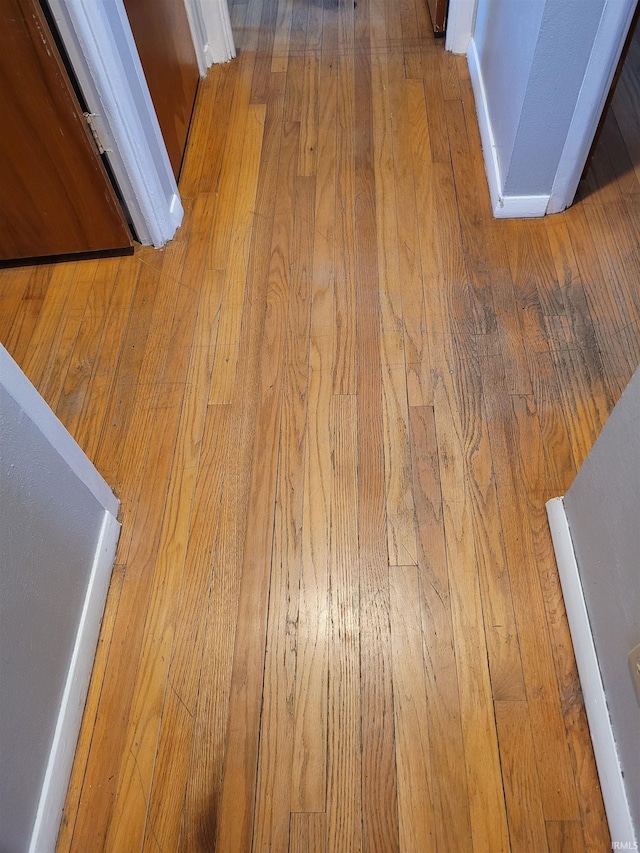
(161, 32)
(55, 195)
(438, 12)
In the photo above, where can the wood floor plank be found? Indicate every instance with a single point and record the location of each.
(226, 352)
(280, 55)
(486, 804)
(344, 754)
(232, 163)
(527, 828)
(127, 822)
(12, 293)
(313, 39)
(83, 414)
(413, 751)
(166, 353)
(148, 447)
(206, 180)
(56, 330)
(401, 537)
(82, 330)
(438, 134)
(379, 799)
(274, 793)
(309, 118)
(263, 27)
(206, 768)
(617, 339)
(308, 833)
(308, 786)
(556, 778)
(329, 55)
(136, 773)
(104, 430)
(570, 695)
(454, 429)
(310, 734)
(505, 664)
(564, 837)
(586, 413)
(344, 360)
(101, 776)
(175, 737)
(201, 131)
(21, 299)
(448, 774)
(238, 791)
(414, 148)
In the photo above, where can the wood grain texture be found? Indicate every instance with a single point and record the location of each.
(308, 832)
(415, 800)
(448, 777)
(379, 787)
(309, 781)
(398, 379)
(237, 260)
(241, 762)
(344, 759)
(565, 836)
(274, 795)
(527, 829)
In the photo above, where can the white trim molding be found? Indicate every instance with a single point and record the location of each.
(98, 38)
(59, 765)
(69, 717)
(216, 22)
(602, 736)
(210, 25)
(198, 35)
(461, 21)
(504, 206)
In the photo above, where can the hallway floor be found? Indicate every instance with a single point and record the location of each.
(333, 410)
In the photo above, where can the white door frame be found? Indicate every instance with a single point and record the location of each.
(607, 49)
(461, 21)
(100, 45)
(98, 39)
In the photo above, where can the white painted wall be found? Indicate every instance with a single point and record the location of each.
(506, 35)
(58, 533)
(563, 47)
(540, 70)
(603, 511)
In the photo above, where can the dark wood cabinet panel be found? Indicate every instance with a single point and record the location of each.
(55, 195)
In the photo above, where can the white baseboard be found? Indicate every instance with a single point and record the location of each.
(602, 736)
(504, 206)
(56, 780)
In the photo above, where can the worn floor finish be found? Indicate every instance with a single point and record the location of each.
(333, 409)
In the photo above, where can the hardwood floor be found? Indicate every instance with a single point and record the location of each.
(333, 409)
